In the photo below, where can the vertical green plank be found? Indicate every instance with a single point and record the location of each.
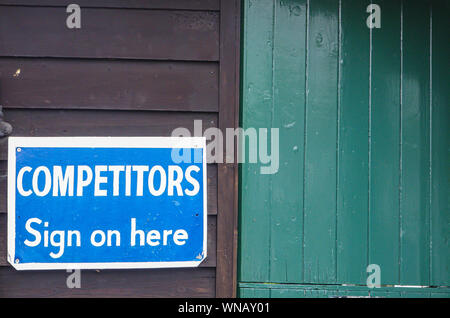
(288, 115)
(384, 150)
(440, 148)
(257, 98)
(254, 293)
(320, 147)
(415, 158)
(352, 194)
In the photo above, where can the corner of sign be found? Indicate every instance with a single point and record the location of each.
(13, 263)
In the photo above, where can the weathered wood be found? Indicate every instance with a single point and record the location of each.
(226, 278)
(288, 116)
(269, 33)
(36, 122)
(102, 84)
(3, 191)
(415, 146)
(210, 261)
(212, 194)
(320, 143)
(126, 72)
(255, 220)
(440, 145)
(181, 283)
(106, 33)
(302, 291)
(135, 4)
(104, 123)
(3, 240)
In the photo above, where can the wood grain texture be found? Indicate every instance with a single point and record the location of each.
(257, 105)
(102, 84)
(48, 123)
(134, 4)
(415, 146)
(339, 291)
(440, 146)
(36, 122)
(109, 33)
(227, 173)
(179, 283)
(3, 185)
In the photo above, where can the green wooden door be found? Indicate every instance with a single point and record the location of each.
(364, 127)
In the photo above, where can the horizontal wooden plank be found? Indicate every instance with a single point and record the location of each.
(106, 84)
(34, 122)
(38, 122)
(180, 283)
(110, 33)
(148, 4)
(210, 260)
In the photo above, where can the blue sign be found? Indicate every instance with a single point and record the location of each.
(106, 202)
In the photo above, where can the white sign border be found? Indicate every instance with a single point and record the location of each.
(98, 142)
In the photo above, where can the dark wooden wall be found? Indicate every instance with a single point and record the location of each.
(135, 68)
